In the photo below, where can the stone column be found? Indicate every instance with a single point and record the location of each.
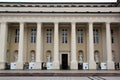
(92, 64)
(74, 63)
(3, 44)
(38, 46)
(56, 64)
(19, 64)
(110, 63)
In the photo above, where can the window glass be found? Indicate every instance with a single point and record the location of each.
(64, 36)
(80, 35)
(49, 35)
(16, 35)
(112, 35)
(96, 36)
(33, 35)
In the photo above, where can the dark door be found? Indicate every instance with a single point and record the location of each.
(64, 61)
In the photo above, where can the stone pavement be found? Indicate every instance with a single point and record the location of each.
(61, 78)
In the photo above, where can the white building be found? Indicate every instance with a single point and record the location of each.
(64, 35)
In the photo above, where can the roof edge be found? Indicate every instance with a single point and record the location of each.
(59, 2)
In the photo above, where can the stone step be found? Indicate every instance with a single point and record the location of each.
(58, 73)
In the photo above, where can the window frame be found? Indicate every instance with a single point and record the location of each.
(112, 36)
(64, 33)
(96, 36)
(17, 33)
(48, 35)
(33, 35)
(80, 33)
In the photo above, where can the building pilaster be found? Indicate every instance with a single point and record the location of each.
(38, 46)
(92, 64)
(110, 63)
(56, 64)
(74, 63)
(3, 44)
(19, 64)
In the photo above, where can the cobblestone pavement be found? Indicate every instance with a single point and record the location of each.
(61, 78)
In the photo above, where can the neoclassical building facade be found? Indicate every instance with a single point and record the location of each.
(60, 35)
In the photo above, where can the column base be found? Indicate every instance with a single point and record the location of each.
(19, 65)
(110, 65)
(37, 65)
(74, 65)
(2, 65)
(92, 65)
(56, 65)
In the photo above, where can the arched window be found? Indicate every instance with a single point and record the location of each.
(96, 56)
(48, 56)
(32, 56)
(80, 56)
(15, 56)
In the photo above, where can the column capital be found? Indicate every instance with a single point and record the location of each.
(56, 26)
(73, 22)
(39, 22)
(3, 22)
(90, 22)
(21, 22)
(56, 22)
(107, 22)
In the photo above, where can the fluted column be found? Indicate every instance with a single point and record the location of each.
(38, 47)
(56, 64)
(3, 44)
(20, 47)
(110, 63)
(92, 64)
(74, 64)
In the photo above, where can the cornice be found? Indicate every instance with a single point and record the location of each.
(58, 4)
(60, 12)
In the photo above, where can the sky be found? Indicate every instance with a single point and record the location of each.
(58, 0)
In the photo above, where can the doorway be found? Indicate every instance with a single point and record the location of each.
(64, 61)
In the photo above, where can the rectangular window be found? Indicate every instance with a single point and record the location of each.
(112, 36)
(16, 35)
(49, 35)
(64, 36)
(33, 35)
(96, 36)
(80, 35)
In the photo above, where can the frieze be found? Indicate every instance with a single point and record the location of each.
(60, 18)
